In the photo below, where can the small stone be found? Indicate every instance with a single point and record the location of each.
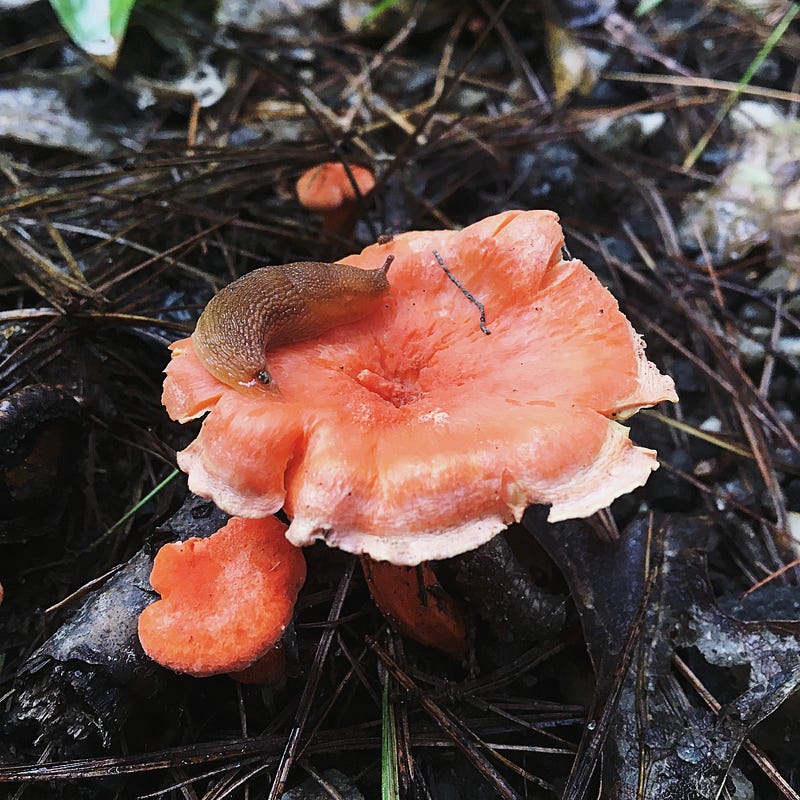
(625, 133)
(793, 520)
(751, 351)
(748, 115)
(551, 167)
(778, 280)
(756, 313)
(711, 425)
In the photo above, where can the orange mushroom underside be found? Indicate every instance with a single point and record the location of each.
(411, 435)
(414, 602)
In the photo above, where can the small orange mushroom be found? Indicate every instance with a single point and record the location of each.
(225, 600)
(410, 435)
(329, 189)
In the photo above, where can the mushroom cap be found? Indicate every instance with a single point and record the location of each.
(410, 435)
(327, 186)
(225, 600)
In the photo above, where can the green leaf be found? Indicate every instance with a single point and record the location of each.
(96, 26)
(646, 6)
(132, 511)
(390, 781)
(379, 8)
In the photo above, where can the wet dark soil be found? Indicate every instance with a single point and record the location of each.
(128, 196)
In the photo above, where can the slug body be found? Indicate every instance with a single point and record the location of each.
(275, 306)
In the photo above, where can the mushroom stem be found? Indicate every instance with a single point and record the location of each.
(340, 220)
(414, 602)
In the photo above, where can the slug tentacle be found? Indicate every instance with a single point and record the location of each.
(275, 306)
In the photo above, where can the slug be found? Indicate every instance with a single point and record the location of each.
(274, 306)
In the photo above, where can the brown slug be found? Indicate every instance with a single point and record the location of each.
(274, 306)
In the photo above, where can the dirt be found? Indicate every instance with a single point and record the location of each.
(130, 195)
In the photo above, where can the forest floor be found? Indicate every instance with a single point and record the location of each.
(666, 139)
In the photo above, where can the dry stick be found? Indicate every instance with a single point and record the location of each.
(457, 734)
(63, 248)
(463, 291)
(411, 142)
(504, 675)
(760, 449)
(703, 83)
(33, 44)
(12, 358)
(180, 246)
(567, 748)
(323, 714)
(518, 60)
(772, 576)
(41, 760)
(265, 746)
(324, 783)
(757, 443)
(228, 785)
(49, 276)
(756, 401)
(769, 357)
(746, 398)
(302, 93)
(310, 689)
(727, 499)
(448, 49)
(630, 37)
(379, 59)
(137, 320)
(187, 781)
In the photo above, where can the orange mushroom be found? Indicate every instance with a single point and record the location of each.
(329, 189)
(410, 435)
(414, 602)
(225, 600)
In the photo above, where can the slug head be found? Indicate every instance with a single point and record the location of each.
(229, 332)
(336, 294)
